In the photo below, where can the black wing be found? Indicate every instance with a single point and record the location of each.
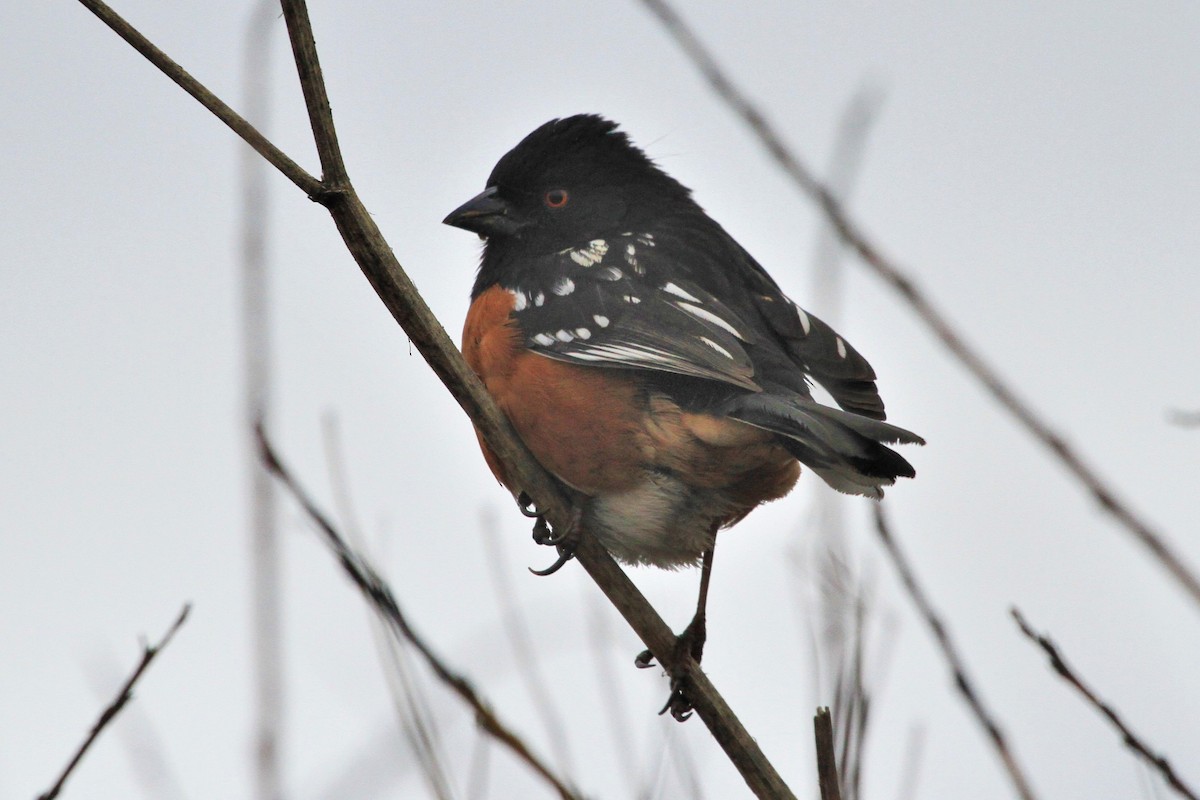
(601, 308)
(809, 343)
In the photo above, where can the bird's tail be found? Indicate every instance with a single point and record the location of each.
(846, 450)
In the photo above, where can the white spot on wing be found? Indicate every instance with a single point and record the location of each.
(716, 347)
(631, 259)
(520, 300)
(671, 288)
(539, 299)
(610, 274)
(601, 320)
(564, 336)
(708, 316)
(544, 339)
(841, 348)
(804, 321)
(591, 255)
(632, 299)
(626, 354)
(583, 333)
(563, 287)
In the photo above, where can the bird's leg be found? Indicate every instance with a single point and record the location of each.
(688, 643)
(565, 541)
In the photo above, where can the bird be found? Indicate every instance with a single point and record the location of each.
(649, 362)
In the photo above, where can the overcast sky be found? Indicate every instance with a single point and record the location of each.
(1037, 171)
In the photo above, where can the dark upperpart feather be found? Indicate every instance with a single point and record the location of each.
(612, 264)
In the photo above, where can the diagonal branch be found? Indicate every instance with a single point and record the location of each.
(290, 169)
(1130, 738)
(379, 593)
(123, 697)
(950, 652)
(918, 300)
(312, 84)
(398, 293)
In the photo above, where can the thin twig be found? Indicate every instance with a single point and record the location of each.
(266, 594)
(941, 634)
(375, 258)
(145, 749)
(123, 697)
(290, 169)
(312, 85)
(516, 628)
(620, 727)
(409, 700)
(918, 300)
(1131, 739)
(379, 593)
(827, 771)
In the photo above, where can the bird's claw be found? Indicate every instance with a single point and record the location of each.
(543, 534)
(566, 551)
(644, 660)
(565, 541)
(678, 703)
(690, 643)
(527, 507)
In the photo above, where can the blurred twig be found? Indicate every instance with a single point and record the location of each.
(849, 147)
(409, 701)
(917, 299)
(913, 749)
(480, 767)
(266, 609)
(620, 727)
(843, 601)
(837, 628)
(124, 695)
(1184, 419)
(517, 629)
(378, 263)
(827, 770)
(1129, 737)
(147, 754)
(377, 591)
(941, 635)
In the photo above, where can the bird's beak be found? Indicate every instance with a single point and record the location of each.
(486, 214)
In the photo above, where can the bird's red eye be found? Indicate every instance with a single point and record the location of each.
(556, 198)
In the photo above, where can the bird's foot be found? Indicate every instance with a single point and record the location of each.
(689, 643)
(565, 541)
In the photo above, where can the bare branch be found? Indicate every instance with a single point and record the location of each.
(917, 299)
(377, 262)
(123, 697)
(379, 593)
(941, 635)
(1059, 664)
(312, 84)
(827, 771)
(409, 700)
(290, 169)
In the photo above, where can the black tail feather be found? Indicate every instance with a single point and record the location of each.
(847, 450)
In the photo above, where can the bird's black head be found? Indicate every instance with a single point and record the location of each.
(569, 181)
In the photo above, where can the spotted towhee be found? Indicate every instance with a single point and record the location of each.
(648, 361)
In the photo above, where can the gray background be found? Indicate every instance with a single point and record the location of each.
(1037, 170)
